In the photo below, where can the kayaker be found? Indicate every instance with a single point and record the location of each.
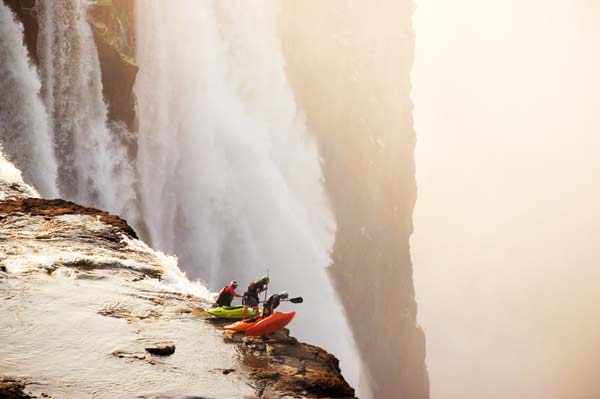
(227, 294)
(273, 302)
(250, 298)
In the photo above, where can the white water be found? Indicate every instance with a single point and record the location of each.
(93, 168)
(10, 175)
(229, 177)
(23, 121)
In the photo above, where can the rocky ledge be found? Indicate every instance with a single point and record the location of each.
(278, 363)
(58, 207)
(114, 318)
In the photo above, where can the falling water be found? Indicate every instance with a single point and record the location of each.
(230, 180)
(24, 129)
(93, 168)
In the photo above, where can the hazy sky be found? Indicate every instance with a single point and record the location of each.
(507, 224)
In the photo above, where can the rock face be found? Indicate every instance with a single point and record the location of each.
(363, 53)
(112, 22)
(280, 364)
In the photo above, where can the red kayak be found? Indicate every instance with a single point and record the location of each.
(242, 325)
(270, 324)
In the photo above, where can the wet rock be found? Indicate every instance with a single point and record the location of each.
(58, 207)
(12, 389)
(281, 365)
(161, 349)
(113, 27)
(129, 355)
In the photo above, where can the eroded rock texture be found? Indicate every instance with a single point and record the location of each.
(279, 364)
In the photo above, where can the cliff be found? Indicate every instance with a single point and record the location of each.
(113, 25)
(363, 53)
(89, 310)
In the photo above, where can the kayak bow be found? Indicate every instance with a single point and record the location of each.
(270, 324)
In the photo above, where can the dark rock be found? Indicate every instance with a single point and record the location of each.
(161, 349)
(113, 27)
(12, 389)
(58, 207)
(281, 364)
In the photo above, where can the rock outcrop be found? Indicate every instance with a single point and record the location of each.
(279, 363)
(58, 207)
(12, 389)
(107, 313)
(112, 22)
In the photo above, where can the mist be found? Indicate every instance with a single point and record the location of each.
(506, 222)
(349, 64)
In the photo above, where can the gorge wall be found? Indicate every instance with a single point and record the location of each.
(351, 74)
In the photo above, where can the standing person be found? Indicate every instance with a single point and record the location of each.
(227, 294)
(250, 298)
(273, 302)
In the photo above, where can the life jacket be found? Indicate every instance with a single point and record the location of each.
(225, 296)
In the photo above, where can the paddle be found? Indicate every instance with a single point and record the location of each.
(292, 300)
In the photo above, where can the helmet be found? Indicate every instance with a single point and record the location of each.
(233, 283)
(266, 278)
(284, 294)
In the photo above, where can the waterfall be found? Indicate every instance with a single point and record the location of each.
(24, 130)
(93, 168)
(230, 180)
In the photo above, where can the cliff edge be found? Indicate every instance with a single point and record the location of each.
(91, 311)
